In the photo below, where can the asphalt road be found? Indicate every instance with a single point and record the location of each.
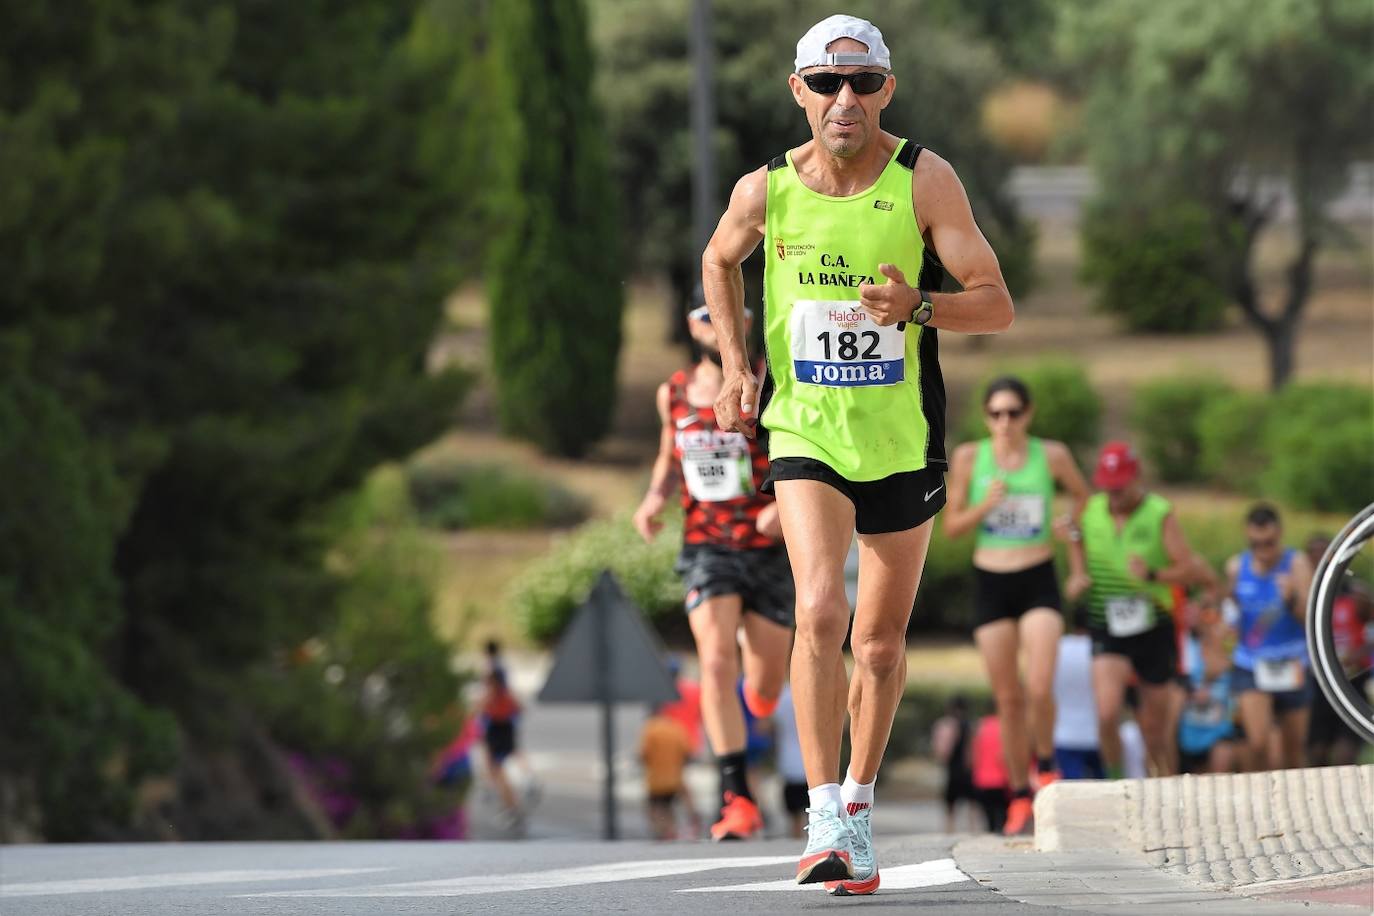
(531, 877)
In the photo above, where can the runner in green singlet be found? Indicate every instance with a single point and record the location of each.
(1003, 487)
(850, 220)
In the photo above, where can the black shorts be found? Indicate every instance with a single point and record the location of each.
(1006, 596)
(500, 740)
(898, 502)
(795, 797)
(1153, 654)
(762, 578)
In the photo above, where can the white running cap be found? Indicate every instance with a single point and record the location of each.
(811, 50)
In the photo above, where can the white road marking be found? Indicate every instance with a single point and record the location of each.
(540, 880)
(172, 879)
(902, 877)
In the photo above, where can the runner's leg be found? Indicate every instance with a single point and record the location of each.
(1293, 724)
(889, 572)
(767, 650)
(715, 623)
(1154, 717)
(818, 524)
(1257, 717)
(999, 645)
(1110, 674)
(1040, 631)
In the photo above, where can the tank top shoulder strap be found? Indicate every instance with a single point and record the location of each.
(910, 152)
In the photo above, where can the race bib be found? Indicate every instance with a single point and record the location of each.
(836, 344)
(1130, 616)
(1278, 675)
(1017, 517)
(1205, 715)
(715, 475)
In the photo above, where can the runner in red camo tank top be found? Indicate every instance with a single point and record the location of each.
(733, 565)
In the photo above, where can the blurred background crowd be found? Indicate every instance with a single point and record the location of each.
(329, 333)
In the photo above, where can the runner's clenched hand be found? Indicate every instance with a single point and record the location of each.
(889, 302)
(737, 406)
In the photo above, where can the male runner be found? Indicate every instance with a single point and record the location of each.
(856, 421)
(1135, 553)
(1269, 583)
(731, 562)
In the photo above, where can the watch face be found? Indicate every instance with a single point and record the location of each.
(924, 313)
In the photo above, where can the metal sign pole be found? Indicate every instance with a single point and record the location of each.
(603, 683)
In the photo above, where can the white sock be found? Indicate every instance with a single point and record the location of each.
(856, 793)
(826, 795)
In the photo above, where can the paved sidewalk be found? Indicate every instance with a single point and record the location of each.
(1252, 843)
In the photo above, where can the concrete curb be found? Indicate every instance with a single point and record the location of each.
(1225, 831)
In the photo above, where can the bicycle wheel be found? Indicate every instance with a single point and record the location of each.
(1337, 681)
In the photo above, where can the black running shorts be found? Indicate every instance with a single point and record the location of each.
(1153, 654)
(898, 502)
(762, 578)
(1006, 596)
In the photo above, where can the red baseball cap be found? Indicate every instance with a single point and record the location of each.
(1117, 466)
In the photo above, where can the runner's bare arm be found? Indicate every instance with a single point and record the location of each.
(1065, 471)
(1182, 570)
(740, 230)
(946, 222)
(1300, 583)
(959, 518)
(663, 480)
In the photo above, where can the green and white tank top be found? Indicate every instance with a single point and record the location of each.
(1023, 517)
(1118, 602)
(866, 400)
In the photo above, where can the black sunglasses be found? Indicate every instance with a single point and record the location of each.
(827, 82)
(1013, 413)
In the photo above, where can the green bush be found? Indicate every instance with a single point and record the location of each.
(372, 698)
(1067, 406)
(1311, 445)
(1320, 438)
(1166, 416)
(1154, 266)
(453, 495)
(546, 595)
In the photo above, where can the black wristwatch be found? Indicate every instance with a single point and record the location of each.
(923, 312)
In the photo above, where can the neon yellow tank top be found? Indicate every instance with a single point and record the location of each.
(867, 401)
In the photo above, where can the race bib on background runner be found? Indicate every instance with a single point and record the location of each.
(836, 344)
(716, 475)
(1278, 675)
(1017, 517)
(1130, 616)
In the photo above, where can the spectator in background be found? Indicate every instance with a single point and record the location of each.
(1329, 740)
(790, 769)
(1206, 735)
(493, 654)
(1076, 750)
(949, 741)
(1269, 583)
(990, 777)
(664, 747)
(500, 712)
(686, 711)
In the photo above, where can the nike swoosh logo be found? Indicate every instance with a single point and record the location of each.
(934, 491)
(684, 422)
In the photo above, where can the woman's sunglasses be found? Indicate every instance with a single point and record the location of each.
(827, 82)
(1011, 413)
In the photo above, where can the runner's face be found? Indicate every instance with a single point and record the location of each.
(1006, 416)
(844, 122)
(1265, 542)
(1123, 500)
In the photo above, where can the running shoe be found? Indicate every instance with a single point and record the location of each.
(739, 819)
(1048, 778)
(829, 847)
(862, 858)
(1020, 817)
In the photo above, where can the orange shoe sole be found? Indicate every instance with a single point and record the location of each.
(853, 888)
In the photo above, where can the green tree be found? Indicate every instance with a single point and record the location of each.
(230, 227)
(1222, 105)
(645, 77)
(554, 277)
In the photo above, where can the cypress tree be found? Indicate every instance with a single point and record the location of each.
(553, 280)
